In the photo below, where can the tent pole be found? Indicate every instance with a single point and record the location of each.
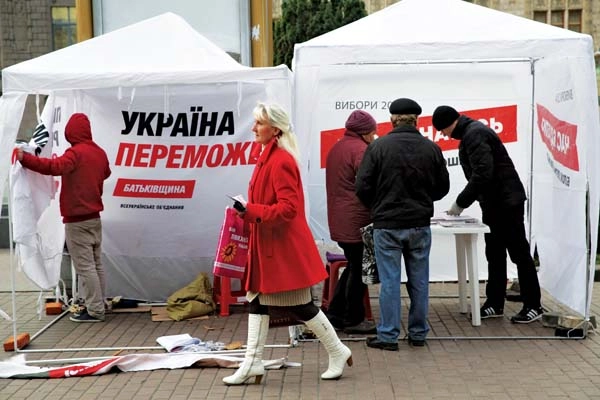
(531, 153)
(11, 253)
(358, 339)
(590, 265)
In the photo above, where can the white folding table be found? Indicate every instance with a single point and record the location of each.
(465, 238)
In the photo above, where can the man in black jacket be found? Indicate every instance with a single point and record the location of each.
(494, 182)
(399, 178)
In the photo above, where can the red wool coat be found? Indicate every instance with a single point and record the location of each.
(283, 255)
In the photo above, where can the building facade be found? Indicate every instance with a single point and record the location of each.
(577, 15)
(29, 29)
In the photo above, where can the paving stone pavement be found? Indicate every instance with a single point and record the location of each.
(497, 360)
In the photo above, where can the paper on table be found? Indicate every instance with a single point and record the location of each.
(439, 218)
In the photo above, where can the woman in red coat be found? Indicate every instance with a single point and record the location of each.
(283, 259)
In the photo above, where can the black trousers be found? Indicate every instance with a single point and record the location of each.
(507, 233)
(303, 312)
(346, 307)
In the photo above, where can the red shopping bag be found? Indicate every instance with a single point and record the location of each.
(232, 249)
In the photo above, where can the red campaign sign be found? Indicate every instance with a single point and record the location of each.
(503, 120)
(560, 137)
(80, 369)
(155, 189)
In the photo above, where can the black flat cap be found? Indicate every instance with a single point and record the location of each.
(405, 106)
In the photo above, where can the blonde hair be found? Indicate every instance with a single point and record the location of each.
(278, 118)
(403, 119)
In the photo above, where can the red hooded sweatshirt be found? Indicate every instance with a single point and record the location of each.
(83, 168)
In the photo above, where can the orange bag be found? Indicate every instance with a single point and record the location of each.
(232, 249)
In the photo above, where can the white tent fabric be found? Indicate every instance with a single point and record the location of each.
(158, 51)
(37, 233)
(532, 82)
(174, 114)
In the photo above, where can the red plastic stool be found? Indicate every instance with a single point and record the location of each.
(333, 268)
(224, 296)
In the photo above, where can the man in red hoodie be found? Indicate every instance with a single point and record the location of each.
(83, 168)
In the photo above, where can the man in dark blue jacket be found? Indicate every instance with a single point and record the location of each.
(494, 182)
(399, 178)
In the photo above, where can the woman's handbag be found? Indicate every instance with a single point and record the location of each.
(232, 249)
(370, 275)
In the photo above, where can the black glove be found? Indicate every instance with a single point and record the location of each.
(239, 206)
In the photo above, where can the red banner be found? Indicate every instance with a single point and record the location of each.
(503, 120)
(560, 137)
(155, 189)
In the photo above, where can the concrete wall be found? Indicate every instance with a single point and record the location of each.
(25, 30)
(26, 33)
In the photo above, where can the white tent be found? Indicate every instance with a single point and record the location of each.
(533, 83)
(174, 113)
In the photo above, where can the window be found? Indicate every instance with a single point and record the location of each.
(540, 16)
(64, 27)
(569, 19)
(574, 20)
(557, 18)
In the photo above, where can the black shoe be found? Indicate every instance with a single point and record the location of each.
(490, 312)
(378, 344)
(527, 315)
(416, 342)
(363, 327)
(85, 317)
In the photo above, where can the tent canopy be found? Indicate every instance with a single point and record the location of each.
(157, 84)
(160, 50)
(482, 62)
(433, 30)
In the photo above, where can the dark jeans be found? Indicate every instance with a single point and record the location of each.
(347, 308)
(507, 233)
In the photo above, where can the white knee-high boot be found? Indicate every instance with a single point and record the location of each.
(339, 354)
(252, 366)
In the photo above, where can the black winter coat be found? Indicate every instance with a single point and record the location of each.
(491, 174)
(399, 178)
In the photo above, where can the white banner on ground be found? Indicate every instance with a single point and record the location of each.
(16, 368)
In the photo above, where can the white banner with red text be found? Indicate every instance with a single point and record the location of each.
(504, 105)
(560, 183)
(16, 367)
(175, 152)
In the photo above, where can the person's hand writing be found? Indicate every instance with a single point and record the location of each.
(455, 210)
